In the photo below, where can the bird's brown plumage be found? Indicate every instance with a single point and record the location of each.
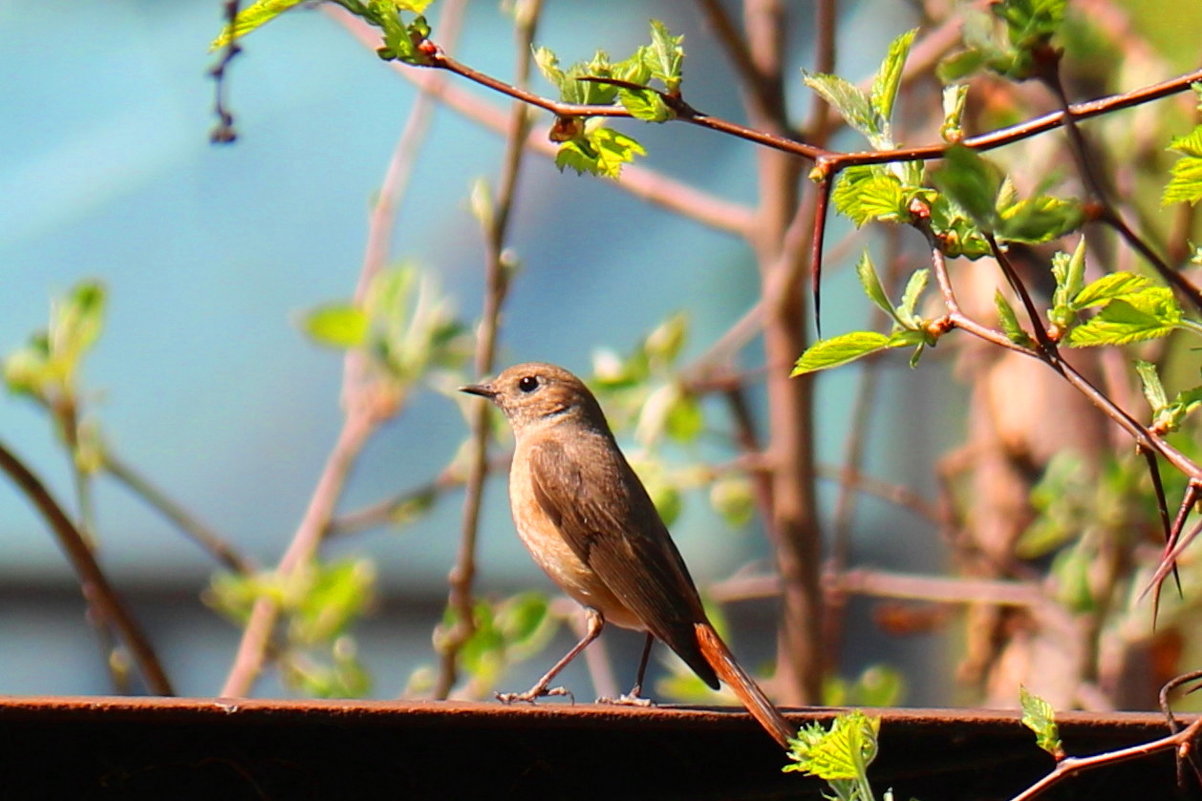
(588, 521)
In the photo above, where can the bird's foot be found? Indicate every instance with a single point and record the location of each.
(534, 693)
(631, 698)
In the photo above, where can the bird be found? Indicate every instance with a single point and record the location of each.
(589, 523)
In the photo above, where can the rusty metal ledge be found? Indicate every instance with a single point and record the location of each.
(181, 748)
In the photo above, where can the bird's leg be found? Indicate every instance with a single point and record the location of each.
(595, 623)
(634, 697)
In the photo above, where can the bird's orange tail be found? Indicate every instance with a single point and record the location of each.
(749, 693)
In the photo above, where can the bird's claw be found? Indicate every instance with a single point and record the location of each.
(627, 699)
(531, 695)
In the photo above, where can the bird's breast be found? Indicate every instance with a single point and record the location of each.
(551, 551)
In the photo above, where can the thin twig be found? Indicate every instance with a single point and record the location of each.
(223, 132)
(641, 182)
(185, 521)
(900, 586)
(497, 274)
(97, 591)
(358, 425)
(363, 413)
(1048, 63)
(836, 160)
(1070, 766)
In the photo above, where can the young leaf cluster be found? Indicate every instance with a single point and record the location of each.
(1006, 38)
(402, 28)
(1167, 415)
(320, 604)
(644, 391)
(971, 196)
(1185, 183)
(403, 324)
(976, 199)
(590, 146)
(839, 755)
(503, 633)
(1129, 308)
(909, 329)
(46, 368)
(869, 112)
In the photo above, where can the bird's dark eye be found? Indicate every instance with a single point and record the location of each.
(528, 383)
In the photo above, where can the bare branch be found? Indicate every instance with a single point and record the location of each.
(97, 590)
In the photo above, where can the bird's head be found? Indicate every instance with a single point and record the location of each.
(535, 394)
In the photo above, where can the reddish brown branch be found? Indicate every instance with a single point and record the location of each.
(99, 593)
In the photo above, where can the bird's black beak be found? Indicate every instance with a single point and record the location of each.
(483, 390)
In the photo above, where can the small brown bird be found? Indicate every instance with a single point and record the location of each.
(589, 523)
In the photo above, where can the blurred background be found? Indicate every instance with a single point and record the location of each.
(203, 381)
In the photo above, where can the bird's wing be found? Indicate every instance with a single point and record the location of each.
(609, 521)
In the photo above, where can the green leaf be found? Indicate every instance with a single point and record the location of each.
(866, 272)
(888, 78)
(955, 99)
(733, 499)
(842, 349)
(1009, 320)
(665, 57)
(878, 685)
(1153, 389)
(49, 363)
(959, 66)
(76, 321)
(840, 755)
(956, 233)
(1149, 314)
(401, 40)
(685, 420)
(1069, 272)
(1039, 717)
(256, 14)
(869, 192)
(1185, 185)
(663, 345)
(600, 151)
(337, 325)
(1184, 404)
(1031, 23)
(522, 618)
(645, 104)
(328, 597)
(1109, 287)
(851, 102)
(972, 183)
(27, 370)
(909, 302)
(548, 64)
(1039, 219)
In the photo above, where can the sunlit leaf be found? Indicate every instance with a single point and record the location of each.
(840, 350)
(1109, 287)
(888, 78)
(1136, 317)
(1039, 717)
(337, 325)
(253, 16)
(665, 56)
